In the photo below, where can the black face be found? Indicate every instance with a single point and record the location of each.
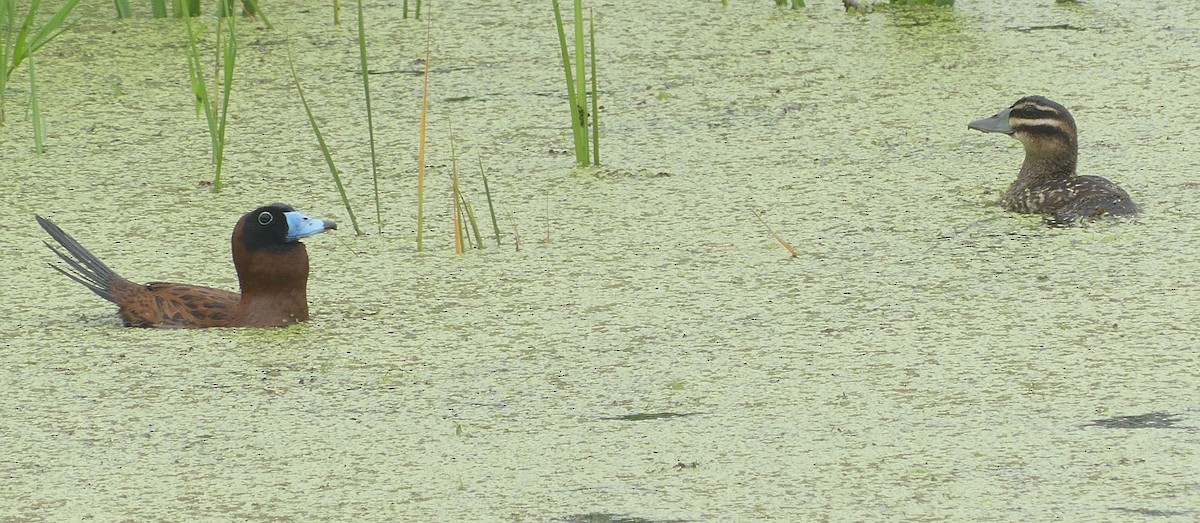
(267, 228)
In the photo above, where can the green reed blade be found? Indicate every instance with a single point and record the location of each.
(474, 223)
(455, 194)
(123, 10)
(159, 8)
(8, 13)
(581, 85)
(595, 92)
(573, 96)
(18, 53)
(230, 58)
(55, 26)
(312, 120)
(362, 64)
(252, 9)
(196, 76)
(487, 191)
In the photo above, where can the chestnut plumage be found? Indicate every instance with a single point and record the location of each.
(272, 268)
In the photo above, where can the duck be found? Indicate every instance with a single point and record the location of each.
(1047, 183)
(272, 269)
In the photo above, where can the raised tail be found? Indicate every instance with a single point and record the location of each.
(86, 268)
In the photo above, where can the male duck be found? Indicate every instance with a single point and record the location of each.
(1047, 183)
(272, 268)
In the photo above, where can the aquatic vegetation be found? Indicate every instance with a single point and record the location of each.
(17, 45)
(583, 121)
(463, 211)
(487, 191)
(796, 4)
(158, 8)
(778, 238)
(362, 62)
(417, 14)
(421, 133)
(204, 103)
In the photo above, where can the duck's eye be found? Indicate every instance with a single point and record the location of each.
(265, 218)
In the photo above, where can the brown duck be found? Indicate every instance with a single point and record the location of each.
(1047, 183)
(272, 269)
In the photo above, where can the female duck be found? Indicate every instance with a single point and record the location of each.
(1047, 183)
(272, 268)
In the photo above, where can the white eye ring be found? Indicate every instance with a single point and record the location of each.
(265, 218)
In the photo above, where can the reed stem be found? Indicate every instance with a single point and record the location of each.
(421, 139)
(312, 121)
(366, 80)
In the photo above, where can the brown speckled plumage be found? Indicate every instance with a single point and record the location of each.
(272, 269)
(1047, 183)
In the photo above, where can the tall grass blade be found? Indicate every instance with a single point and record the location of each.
(55, 26)
(464, 212)
(474, 223)
(252, 9)
(581, 83)
(229, 59)
(18, 53)
(312, 120)
(158, 8)
(123, 10)
(456, 196)
(487, 191)
(574, 97)
(8, 13)
(19, 46)
(595, 93)
(199, 86)
(362, 64)
(421, 140)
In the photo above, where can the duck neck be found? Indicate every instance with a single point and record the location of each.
(274, 282)
(1048, 160)
(1038, 168)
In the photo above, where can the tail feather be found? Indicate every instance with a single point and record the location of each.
(85, 267)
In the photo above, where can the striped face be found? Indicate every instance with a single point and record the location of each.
(1037, 116)
(1037, 122)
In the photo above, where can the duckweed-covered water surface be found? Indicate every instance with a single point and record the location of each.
(650, 353)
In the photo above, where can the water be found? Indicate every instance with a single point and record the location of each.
(929, 357)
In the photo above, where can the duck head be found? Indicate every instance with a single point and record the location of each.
(267, 253)
(1044, 127)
